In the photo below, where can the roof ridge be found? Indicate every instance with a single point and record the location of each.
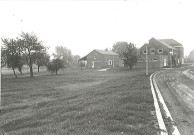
(171, 42)
(108, 52)
(167, 45)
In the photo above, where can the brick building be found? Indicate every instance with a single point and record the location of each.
(101, 59)
(161, 53)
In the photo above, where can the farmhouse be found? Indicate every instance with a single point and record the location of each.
(161, 53)
(101, 59)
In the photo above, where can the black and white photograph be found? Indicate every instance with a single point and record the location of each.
(97, 67)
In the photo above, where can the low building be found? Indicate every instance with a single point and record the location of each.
(101, 59)
(161, 53)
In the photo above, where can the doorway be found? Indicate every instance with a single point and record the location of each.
(92, 64)
(165, 63)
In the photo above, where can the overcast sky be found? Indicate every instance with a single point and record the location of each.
(84, 25)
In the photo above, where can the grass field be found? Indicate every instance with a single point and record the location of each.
(118, 101)
(8, 72)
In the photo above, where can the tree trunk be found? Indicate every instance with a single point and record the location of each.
(30, 63)
(56, 72)
(14, 72)
(31, 70)
(38, 68)
(20, 70)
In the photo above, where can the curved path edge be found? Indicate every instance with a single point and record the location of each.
(187, 74)
(161, 124)
(167, 112)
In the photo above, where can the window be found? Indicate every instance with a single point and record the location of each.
(171, 52)
(154, 60)
(152, 50)
(144, 52)
(94, 57)
(110, 62)
(160, 50)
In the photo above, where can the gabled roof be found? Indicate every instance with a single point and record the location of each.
(101, 52)
(106, 52)
(167, 45)
(163, 43)
(171, 42)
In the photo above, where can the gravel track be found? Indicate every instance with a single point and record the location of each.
(178, 92)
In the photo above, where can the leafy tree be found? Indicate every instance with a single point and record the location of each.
(30, 44)
(120, 47)
(64, 54)
(11, 54)
(82, 64)
(55, 65)
(130, 55)
(41, 59)
(127, 52)
(21, 63)
(3, 57)
(75, 59)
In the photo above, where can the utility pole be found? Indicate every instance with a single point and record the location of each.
(171, 59)
(146, 60)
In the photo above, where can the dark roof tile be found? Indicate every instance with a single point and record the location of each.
(171, 42)
(106, 52)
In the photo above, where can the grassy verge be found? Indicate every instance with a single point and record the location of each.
(82, 103)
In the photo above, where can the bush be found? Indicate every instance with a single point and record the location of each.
(55, 65)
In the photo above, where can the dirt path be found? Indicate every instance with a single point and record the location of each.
(188, 74)
(178, 92)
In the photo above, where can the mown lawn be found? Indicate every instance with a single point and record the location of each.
(79, 103)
